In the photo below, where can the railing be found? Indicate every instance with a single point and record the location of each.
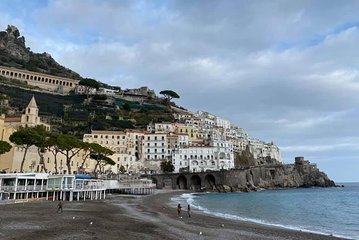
(136, 185)
(8, 188)
(23, 188)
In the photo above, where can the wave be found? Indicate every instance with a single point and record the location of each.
(189, 198)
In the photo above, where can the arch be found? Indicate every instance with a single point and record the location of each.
(209, 181)
(222, 164)
(167, 182)
(181, 182)
(154, 180)
(195, 182)
(222, 155)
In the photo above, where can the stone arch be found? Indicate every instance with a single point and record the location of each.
(167, 182)
(209, 181)
(222, 164)
(222, 155)
(154, 180)
(196, 182)
(181, 182)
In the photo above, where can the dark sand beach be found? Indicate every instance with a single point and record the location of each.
(128, 217)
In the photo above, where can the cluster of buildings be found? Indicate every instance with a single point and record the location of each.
(196, 142)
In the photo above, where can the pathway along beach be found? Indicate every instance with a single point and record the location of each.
(128, 217)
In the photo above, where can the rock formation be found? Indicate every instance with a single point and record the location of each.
(13, 44)
(300, 174)
(14, 53)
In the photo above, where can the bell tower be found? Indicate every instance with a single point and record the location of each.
(31, 117)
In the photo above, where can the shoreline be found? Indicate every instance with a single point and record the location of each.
(130, 217)
(266, 231)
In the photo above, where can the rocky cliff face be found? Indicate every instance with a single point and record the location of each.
(275, 176)
(14, 53)
(13, 44)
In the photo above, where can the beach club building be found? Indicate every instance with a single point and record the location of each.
(74, 187)
(23, 186)
(31, 186)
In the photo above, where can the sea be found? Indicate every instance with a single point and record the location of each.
(319, 210)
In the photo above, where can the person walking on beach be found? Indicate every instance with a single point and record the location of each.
(189, 210)
(179, 210)
(59, 206)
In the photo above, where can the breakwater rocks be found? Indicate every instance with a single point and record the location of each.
(300, 174)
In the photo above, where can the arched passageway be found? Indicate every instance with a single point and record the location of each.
(182, 182)
(167, 182)
(209, 181)
(154, 180)
(195, 182)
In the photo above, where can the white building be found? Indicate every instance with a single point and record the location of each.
(195, 159)
(161, 127)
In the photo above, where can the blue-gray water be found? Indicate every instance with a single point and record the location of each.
(322, 210)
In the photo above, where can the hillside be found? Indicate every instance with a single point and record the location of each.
(14, 53)
(77, 114)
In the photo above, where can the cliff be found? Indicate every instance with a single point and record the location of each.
(300, 174)
(14, 53)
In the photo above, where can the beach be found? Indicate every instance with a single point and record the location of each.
(129, 217)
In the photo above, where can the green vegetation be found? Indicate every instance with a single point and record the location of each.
(91, 83)
(100, 155)
(69, 146)
(122, 169)
(71, 114)
(167, 167)
(42, 63)
(169, 95)
(25, 138)
(4, 147)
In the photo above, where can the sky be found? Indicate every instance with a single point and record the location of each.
(285, 71)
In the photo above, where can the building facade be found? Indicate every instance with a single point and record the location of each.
(43, 81)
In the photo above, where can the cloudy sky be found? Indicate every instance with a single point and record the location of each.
(286, 71)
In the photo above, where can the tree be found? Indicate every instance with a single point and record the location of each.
(100, 155)
(167, 167)
(69, 146)
(122, 169)
(126, 107)
(51, 146)
(4, 147)
(86, 147)
(24, 137)
(89, 83)
(103, 161)
(169, 95)
(41, 143)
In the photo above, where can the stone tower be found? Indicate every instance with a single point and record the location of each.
(31, 116)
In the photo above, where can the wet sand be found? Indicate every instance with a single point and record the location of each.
(128, 217)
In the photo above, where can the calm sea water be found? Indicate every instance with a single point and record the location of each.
(321, 210)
